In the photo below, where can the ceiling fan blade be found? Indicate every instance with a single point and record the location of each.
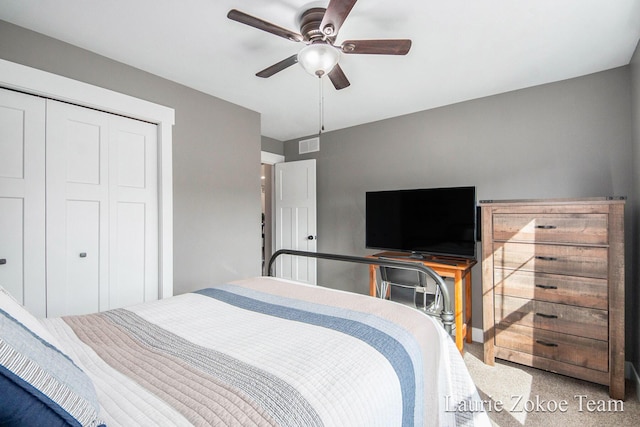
(337, 12)
(263, 25)
(338, 78)
(285, 63)
(377, 47)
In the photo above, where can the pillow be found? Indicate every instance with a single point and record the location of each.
(9, 304)
(39, 384)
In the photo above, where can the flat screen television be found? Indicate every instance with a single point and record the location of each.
(423, 222)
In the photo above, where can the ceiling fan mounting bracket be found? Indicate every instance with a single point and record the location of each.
(348, 47)
(328, 30)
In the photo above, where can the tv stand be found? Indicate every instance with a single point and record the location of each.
(459, 269)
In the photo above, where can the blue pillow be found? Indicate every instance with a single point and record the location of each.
(19, 408)
(39, 384)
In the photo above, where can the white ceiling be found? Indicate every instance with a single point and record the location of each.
(462, 49)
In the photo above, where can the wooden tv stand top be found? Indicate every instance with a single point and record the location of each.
(443, 262)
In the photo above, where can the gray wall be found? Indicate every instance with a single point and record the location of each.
(567, 139)
(216, 158)
(272, 145)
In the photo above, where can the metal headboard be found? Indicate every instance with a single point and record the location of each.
(446, 315)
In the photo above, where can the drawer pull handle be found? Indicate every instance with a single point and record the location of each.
(3, 261)
(546, 227)
(546, 287)
(546, 258)
(546, 344)
(547, 316)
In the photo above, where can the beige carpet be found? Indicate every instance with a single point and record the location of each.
(517, 395)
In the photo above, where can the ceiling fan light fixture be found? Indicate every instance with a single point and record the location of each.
(318, 59)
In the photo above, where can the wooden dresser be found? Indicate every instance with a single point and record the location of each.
(553, 286)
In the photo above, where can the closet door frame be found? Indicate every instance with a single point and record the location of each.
(37, 82)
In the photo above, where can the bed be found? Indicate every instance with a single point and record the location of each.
(255, 352)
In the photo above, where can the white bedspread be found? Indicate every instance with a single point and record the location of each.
(270, 352)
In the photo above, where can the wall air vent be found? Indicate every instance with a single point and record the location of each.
(309, 145)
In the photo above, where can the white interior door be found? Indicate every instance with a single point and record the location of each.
(22, 199)
(77, 209)
(295, 209)
(102, 210)
(133, 212)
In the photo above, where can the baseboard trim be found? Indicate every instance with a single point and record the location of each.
(477, 335)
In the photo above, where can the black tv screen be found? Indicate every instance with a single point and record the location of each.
(430, 221)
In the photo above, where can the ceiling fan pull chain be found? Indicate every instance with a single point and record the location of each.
(321, 106)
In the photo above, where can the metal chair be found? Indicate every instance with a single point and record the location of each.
(417, 292)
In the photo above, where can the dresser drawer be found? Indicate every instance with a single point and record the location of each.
(568, 319)
(551, 228)
(579, 351)
(554, 259)
(578, 291)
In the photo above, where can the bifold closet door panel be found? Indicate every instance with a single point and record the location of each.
(133, 212)
(77, 209)
(102, 210)
(22, 198)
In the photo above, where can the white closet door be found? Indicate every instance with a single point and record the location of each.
(102, 211)
(22, 199)
(133, 196)
(77, 209)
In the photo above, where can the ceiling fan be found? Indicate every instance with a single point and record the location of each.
(318, 30)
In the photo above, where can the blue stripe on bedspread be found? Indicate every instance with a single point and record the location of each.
(390, 328)
(388, 346)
